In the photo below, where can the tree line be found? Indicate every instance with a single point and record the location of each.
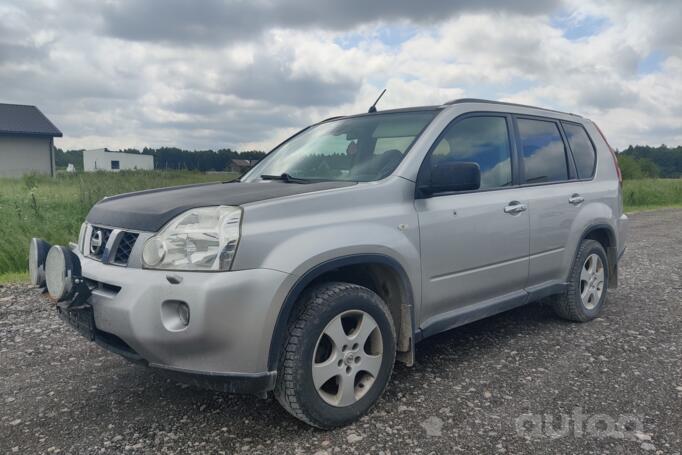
(638, 161)
(643, 161)
(171, 158)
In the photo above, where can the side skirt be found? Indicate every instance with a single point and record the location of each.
(482, 310)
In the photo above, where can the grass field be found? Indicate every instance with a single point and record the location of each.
(648, 194)
(54, 209)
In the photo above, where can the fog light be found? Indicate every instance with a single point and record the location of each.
(61, 268)
(37, 253)
(183, 313)
(175, 315)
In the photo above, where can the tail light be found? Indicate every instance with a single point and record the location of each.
(613, 154)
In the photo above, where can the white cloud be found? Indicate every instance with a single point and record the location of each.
(230, 74)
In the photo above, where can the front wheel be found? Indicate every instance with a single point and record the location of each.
(338, 357)
(584, 298)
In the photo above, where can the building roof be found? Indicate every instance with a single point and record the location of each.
(115, 152)
(243, 162)
(23, 119)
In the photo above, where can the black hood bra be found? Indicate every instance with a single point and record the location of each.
(150, 210)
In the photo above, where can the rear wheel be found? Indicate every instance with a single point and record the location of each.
(338, 357)
(587, 286)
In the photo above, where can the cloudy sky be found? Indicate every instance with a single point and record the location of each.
(246, 73)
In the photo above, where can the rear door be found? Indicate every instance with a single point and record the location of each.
(547, 169)
(474, 244)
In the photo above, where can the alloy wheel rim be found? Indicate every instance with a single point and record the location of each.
(592, 281)
(347, 358)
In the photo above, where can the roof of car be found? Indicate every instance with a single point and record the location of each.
(387, 111)
(449, 103)
(505, 103)
(24, 119)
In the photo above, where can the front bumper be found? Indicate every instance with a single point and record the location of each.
(224, 346)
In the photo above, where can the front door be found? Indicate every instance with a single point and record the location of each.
(475, 244)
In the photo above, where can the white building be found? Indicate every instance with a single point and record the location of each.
(26, 141)
(104, 160)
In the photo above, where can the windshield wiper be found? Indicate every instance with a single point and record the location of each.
(286, 178)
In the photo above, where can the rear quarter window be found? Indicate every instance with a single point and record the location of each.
(582, 148)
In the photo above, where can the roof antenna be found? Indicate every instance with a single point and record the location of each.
(373, 108)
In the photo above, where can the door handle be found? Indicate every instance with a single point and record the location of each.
(515, 207)
(576, 199)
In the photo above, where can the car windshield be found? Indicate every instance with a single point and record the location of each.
(362, 149)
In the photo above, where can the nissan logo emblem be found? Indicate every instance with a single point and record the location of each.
(96, 242)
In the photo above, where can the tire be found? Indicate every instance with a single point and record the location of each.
(324, 310)
(572, 304)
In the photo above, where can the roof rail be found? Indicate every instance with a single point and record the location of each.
(477, 100)
(332, 118)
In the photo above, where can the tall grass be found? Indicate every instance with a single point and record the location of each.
(54, 208)
(652, 193)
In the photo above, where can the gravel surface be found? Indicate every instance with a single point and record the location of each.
(487, 387)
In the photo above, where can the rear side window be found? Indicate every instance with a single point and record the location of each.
(582, 148)
(482, 140)
(544, 153)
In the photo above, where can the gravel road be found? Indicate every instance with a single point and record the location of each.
(487, 387)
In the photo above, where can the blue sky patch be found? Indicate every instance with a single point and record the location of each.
(391, 36)
(574, 28)
(651, 63)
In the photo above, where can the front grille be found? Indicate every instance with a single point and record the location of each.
(120, 242)
(106, 233)
(125, 247)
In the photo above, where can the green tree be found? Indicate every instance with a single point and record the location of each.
(629, 167)
(649, 168)
(63, 158)
(633, 168)
(668, 160)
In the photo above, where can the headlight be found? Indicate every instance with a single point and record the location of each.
(202, 239)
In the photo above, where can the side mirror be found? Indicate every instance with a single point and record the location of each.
(454, 176)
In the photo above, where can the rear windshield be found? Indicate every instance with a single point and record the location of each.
(362, 149)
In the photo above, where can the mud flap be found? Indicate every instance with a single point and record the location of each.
(612, 257)
(405, 346)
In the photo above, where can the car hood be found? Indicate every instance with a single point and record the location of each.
(150, 210)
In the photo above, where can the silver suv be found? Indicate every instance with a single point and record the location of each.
(344, 247)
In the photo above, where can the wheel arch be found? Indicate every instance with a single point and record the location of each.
(402, 306)
(605, 234)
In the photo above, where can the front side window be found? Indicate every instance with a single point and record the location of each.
(482, 140)
(544, 154)
(362, 149)
(582, 148)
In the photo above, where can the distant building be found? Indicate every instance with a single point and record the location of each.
(104, 160)
(26, 141)
(242, 165)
